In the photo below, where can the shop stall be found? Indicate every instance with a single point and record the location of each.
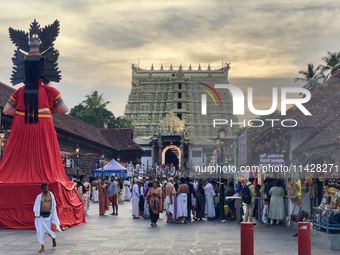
(327, 215)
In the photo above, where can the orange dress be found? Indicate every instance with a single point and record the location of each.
(31, 157)
(152, 194)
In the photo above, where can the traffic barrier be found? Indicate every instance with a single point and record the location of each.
(247, 238)
(304, 239)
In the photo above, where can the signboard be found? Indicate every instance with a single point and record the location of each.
(129, 167)
(244, 148)
(272, 159)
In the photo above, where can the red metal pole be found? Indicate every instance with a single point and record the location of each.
(247, 238)
(304, 239)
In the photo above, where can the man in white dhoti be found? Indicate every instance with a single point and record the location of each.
(135, 200)
(210, 194)
(45, 214)
(182, 201)
(127, 187)
(169, 199)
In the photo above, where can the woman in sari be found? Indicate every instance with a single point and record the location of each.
(174, 191)
(103, 197)
(88, 192)
(155, 200)
(121, 193)
(200, 201)
(94, 185)
(82, 193)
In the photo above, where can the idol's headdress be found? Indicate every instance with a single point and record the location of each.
(34, 59)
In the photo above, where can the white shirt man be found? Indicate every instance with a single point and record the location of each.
(169, 199)
(127, 195)
(135, 200)
(141, 170)
(173, 170)
(195, 184)
(209, 194)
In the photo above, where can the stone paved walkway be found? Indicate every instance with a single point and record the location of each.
(124, 235)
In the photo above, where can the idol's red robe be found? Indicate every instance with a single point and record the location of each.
(32, 157)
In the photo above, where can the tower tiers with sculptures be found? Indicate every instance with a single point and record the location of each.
(166, 109)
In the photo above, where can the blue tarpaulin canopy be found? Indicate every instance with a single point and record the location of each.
(112, 169)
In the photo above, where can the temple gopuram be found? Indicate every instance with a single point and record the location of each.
(166, 109)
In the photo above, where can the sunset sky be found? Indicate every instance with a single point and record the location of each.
(100, 39)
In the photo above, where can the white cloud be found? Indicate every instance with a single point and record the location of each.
(99, 39)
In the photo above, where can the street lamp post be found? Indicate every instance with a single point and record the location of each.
(220, 140)
(77, 152)
(218, 149)
(103, 156)
(234, 147)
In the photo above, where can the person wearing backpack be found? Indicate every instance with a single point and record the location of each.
(248, 198)
(155, 199)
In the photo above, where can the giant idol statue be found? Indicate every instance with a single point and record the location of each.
(32, 154)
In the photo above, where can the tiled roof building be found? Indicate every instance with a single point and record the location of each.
(92, 141)
(5, 93)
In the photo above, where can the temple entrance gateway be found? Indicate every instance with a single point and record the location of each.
(172, 154)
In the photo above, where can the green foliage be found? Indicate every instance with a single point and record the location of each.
(315, 77)
(93, 111)
(332, 61)
(311, 76)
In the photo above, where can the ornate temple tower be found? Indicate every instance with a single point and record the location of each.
(155, 93)
(166, 109)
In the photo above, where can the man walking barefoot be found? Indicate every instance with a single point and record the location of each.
(113, 196)
(169, 200)
(45, 214)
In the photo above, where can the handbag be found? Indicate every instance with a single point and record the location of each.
(146, 210)
(193, 201)
(155, 204)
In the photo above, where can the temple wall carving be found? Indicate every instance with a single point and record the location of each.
(156, 93)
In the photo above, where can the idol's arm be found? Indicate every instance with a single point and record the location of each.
(61, 109)
(9, 110)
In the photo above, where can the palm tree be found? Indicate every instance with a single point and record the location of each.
(332, 61)
(94, 100)
(311, 77)
(95, 109)
(323, 76)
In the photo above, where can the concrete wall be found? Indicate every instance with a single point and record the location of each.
(146, 159)
(69, 144)
(196, 161)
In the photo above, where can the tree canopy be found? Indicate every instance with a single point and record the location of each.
(93, 111)
(311, 76)
(314, 77)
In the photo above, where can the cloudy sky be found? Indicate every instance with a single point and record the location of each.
(100, 39)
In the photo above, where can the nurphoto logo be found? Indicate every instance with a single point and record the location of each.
(238, 104)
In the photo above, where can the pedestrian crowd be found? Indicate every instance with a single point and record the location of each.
(182, 199)
(185, 200)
